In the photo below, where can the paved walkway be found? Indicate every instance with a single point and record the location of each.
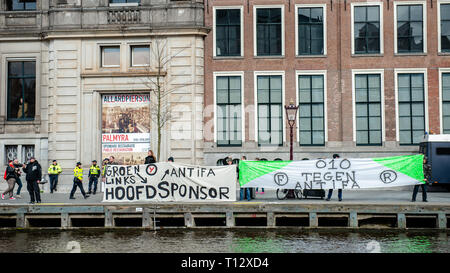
(390, 196)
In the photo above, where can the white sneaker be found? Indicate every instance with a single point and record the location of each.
(18, 196)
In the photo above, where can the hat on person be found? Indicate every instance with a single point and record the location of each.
(78, 163)
(94, 160)
(170, 159)
(54, 160)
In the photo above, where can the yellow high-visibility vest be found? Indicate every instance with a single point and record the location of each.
(94, 169)
(78, 173)
(104, 169)
(54, 169)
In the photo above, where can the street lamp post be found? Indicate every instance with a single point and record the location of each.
(291, 113)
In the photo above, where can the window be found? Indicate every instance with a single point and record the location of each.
(21, 90)
(110, 56)
(21, 152)
(411, 107)
(445, 27)
(10, 152)
(366, 29)
(14, 5)
(27, 152)
(229, 120)
(368, 109)
(410, 28)
(269, 37)
(270, 115)
(228, 32)
(445, 82)
(443, 151)
(140, 55)
(310, 31)
(311, 110)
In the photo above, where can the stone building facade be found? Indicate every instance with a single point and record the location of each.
(371, 77)
(62, 56)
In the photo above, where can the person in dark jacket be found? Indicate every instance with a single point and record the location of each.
(427, 176)
(330, 191)
(34, 175)
(11, 177)
(150, 158)
(17, 165)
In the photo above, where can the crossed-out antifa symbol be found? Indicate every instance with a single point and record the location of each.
(280, 179)
(151, 169)
(388, 176)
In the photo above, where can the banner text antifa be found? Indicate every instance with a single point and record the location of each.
(138, 182)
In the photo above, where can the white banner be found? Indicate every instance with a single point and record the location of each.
(165, 181)
(351, 173)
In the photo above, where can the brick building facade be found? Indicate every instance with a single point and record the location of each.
(370, 77)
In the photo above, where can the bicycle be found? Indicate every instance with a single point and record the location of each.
(283, 193)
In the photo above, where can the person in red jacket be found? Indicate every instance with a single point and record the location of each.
(11, 178)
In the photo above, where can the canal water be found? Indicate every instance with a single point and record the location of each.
(224, 241)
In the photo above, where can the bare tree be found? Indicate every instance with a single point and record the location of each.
(161, 86)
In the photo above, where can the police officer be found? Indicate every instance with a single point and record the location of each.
(94, 174)
(53, 172)
(77, 181)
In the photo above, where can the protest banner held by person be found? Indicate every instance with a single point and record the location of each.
(77, 181)
(111, 161)
(427, 177)
(53, 173)
(243, 192)
(34, 176)
(330, 191)
(150, 157)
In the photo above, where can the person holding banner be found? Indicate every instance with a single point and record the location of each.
(111, 161)
(330, 191)
(241, 191)
(150, 158)
(427, 176)
(77, 181)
